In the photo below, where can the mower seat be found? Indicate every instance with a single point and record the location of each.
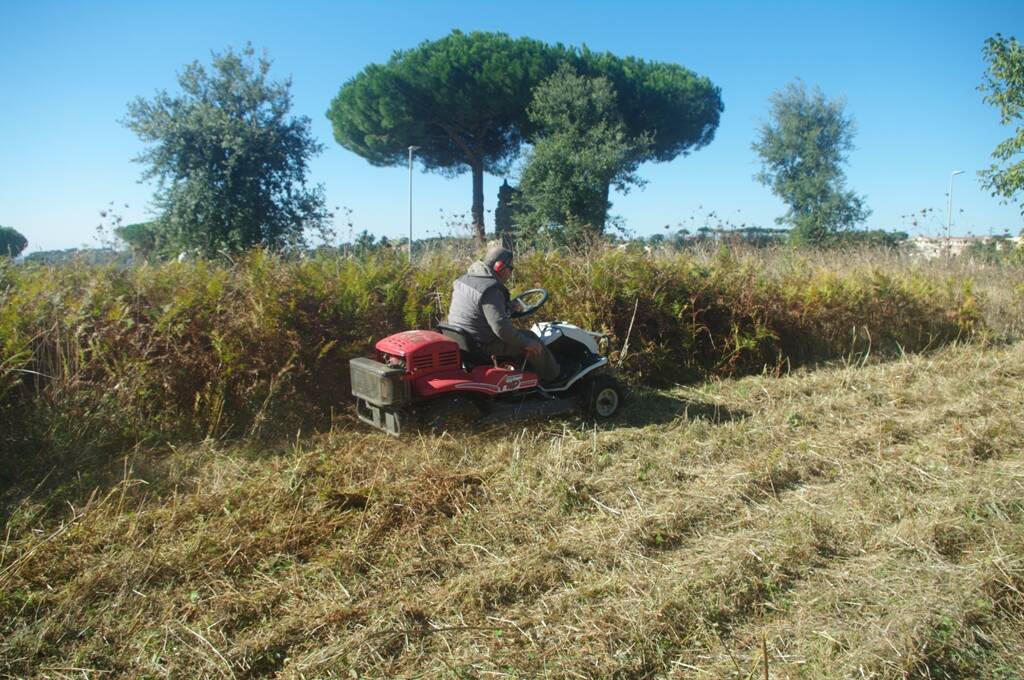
(472, 354)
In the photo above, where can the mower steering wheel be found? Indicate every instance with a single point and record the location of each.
(528, 309)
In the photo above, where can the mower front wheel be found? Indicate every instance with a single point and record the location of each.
(602, 397)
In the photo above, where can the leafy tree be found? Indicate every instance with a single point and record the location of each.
(667, 107)
(1004, 85)
(875, 238)
(996, 250)
(802, 152)
(678, 238)
(141, 237)
(365, 243)
(759, 237)
(656, 112)
(582, 149)
(461, 99)
(230, 162)
(11, 242)
(662, 110)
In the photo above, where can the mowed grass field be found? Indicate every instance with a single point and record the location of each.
(861, 521)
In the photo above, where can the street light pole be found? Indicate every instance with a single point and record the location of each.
(949, 207)
(411, 149)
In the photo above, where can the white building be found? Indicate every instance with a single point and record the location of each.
(939, 246)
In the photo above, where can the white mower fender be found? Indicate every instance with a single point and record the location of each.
(549, 331)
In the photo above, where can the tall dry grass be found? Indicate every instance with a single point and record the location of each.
(94, 359)
(858, 521)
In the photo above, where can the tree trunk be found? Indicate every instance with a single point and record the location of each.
(604, 209)
(478, 203)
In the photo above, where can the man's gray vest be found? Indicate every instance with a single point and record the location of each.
(465, 310)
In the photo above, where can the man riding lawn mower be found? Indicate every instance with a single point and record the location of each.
(474, 365)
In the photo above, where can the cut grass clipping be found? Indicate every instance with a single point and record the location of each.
(856, 521)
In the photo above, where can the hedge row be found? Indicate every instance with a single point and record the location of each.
(99, 356)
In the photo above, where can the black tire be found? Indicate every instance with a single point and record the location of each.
(602, 397)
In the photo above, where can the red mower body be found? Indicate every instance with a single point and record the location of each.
(431, 378)
(432, 365)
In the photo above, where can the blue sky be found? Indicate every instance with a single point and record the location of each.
(908, 71)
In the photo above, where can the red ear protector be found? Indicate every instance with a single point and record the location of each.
(499, 265)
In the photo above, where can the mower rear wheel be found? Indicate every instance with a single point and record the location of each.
(602, 397)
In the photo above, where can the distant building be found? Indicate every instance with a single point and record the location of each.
(939, 246)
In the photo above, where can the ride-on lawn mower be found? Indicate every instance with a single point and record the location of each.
(437, 378)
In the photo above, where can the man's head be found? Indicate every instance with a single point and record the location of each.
(499, 261)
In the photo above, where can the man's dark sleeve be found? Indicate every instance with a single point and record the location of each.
(493, 306)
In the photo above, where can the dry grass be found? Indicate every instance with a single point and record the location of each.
(998, 285)
(98, 359)
(859, 521)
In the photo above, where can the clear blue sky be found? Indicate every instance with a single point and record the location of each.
(908, 70)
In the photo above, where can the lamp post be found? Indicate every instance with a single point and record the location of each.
(949, 207)
(411, 149)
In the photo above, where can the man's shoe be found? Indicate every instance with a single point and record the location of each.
(563, 376)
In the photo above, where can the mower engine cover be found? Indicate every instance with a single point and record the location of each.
(419, 352)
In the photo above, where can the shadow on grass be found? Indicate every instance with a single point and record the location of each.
(73, 477)
(52, 480)
(48, 483)
(648, 407)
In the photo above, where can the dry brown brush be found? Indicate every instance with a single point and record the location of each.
(857, 521)
(93, 359)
